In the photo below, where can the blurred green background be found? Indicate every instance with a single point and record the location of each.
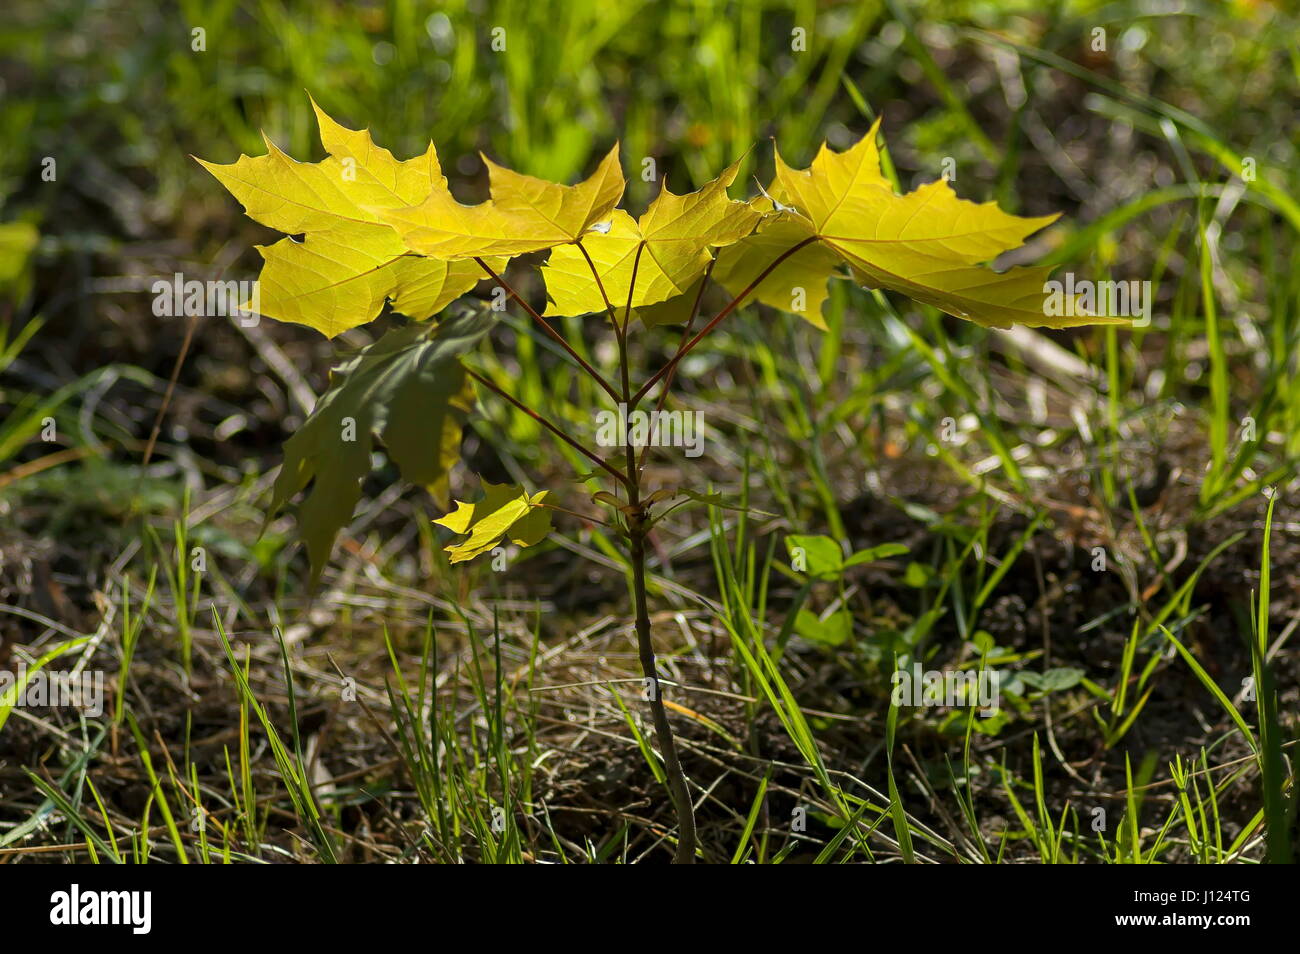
(117, 89)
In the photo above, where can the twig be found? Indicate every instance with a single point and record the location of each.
(685, 349)
(546, 326)
(576, 445)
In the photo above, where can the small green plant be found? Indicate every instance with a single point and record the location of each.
(376, 231)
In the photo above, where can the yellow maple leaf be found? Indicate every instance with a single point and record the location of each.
(666, 251)
(796, 285)
(674, 311)
(349, 262)
(928, 244)
(506, 510)
(524, 214)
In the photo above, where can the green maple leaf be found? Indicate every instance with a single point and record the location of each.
(410, 390)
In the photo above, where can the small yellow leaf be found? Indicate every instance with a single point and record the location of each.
(525, 214)
(459, 520)
(506, 510)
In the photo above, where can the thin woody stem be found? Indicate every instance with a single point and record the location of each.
(595, 273)
(546, 326)
(686, 330)
(638, 528)
(636, 266)
(573, 513)
(674, 777)
(576, 445)
(685, 349)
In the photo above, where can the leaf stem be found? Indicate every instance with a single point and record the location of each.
(546, 326)
(638, 525)
(636, 267)
(686, 348)
(574, 513)
(554, 429)
(620, 333)
(686, 330)
(595, 273)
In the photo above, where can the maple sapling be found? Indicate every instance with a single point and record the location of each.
(379, 231)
